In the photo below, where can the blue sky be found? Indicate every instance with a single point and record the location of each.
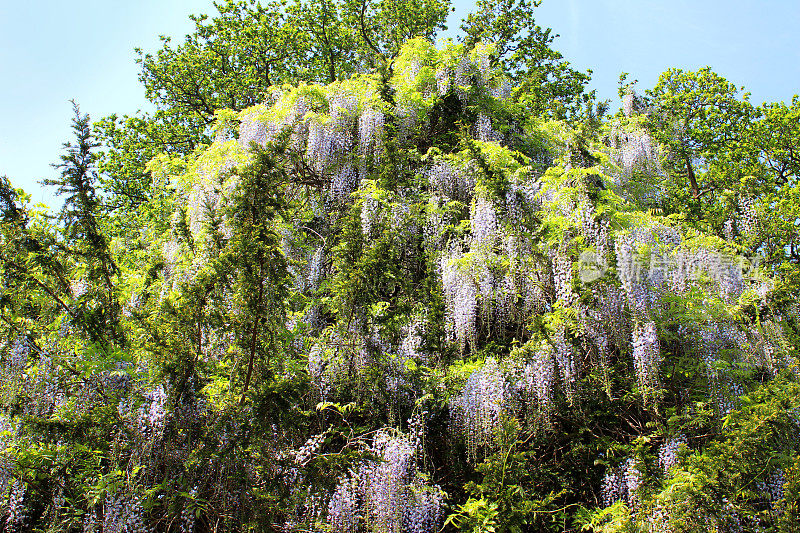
(52, 51)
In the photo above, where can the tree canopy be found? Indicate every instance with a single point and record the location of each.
(234, 60)
(361, 282)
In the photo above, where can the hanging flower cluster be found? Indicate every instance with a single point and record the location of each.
(461, 296)
(646, 355)
(387, 494)
(540, 377)
(747, 218)
(637, 157)
(484, 131)
(123, 513)
(484, 224)
(17, 516)
(668, 452)
(370, 135)
(316, 268)
(477, 410)
(622, 483)
(635, 151)
(153, 412)
(450, 180)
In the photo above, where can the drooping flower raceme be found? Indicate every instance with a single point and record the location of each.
(646, 355)
(461, 297)
(386, 495)
(477, 410)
